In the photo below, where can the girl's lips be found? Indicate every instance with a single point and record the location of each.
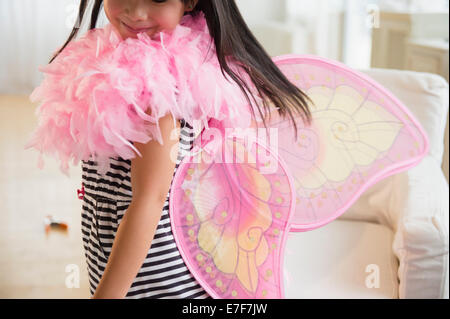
(135, 30)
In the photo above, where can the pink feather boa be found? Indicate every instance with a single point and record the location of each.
(98, 94)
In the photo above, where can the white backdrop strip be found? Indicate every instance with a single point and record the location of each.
(31, 30)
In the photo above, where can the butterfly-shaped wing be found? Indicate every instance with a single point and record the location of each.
(230, 215)
(360, 133)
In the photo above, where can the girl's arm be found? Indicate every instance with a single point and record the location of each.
(151, 177)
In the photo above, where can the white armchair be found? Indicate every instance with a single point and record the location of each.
(393, 242)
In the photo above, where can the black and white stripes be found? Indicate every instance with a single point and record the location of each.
(163, 273)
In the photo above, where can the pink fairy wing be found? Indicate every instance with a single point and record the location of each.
(230, 217)
(360, 134)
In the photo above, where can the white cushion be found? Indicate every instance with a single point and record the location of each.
(415, 205)
(335, 261)
(419, 214)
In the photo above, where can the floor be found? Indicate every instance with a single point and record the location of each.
(34, 264)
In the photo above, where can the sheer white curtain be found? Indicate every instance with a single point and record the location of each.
(255, 11)
(31, 30)
(307, 27)
(337, 29)
(323, 22)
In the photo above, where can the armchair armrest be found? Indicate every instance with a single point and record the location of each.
(419, 215)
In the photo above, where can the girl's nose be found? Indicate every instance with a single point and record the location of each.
(136, 12)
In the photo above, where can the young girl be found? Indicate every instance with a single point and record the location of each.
(140, 258)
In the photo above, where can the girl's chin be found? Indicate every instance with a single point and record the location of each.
(125, 33)
(151, 34)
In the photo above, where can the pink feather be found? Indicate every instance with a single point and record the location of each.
(97, 95)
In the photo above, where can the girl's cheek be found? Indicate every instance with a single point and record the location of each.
(112, 9)
(169, 20)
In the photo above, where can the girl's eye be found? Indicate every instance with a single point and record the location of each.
(159, 1)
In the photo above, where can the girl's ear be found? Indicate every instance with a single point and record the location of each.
(191, 5)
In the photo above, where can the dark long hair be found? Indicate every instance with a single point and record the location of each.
(233, 40)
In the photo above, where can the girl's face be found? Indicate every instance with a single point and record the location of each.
(131, 17)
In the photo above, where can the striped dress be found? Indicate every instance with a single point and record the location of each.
(163, 273)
